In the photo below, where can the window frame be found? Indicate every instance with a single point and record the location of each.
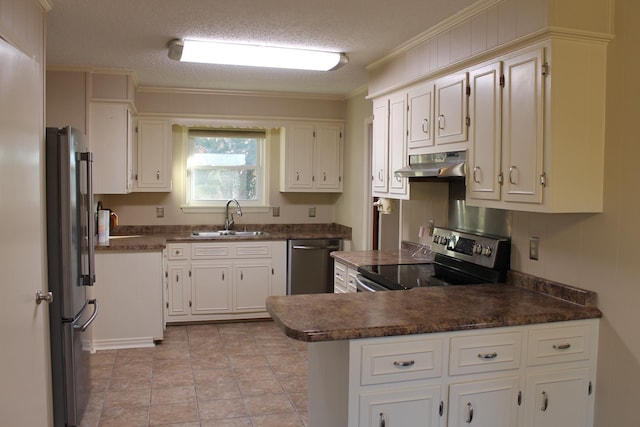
(262, 173)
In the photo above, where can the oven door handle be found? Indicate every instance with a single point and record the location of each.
(365, 285)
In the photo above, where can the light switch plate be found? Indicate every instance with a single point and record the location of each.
(312, 211)
(159, 211)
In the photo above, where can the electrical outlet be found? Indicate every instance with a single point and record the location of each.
(534, 248)
(275, 210)
(312, 211)
(159, 211)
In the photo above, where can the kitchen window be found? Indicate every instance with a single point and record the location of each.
(225, 164)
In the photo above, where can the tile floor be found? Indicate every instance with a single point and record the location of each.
(223, 375)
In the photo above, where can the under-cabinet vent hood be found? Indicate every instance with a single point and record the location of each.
(435, 165)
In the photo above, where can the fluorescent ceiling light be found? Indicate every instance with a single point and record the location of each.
(254, 55)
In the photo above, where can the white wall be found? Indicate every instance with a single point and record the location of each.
(600, 252)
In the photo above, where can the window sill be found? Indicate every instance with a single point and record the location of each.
(221, 209)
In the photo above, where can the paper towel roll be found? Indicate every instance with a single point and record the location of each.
(103, 226)
(385, 206)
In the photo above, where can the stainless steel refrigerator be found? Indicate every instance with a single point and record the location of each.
(71, 268)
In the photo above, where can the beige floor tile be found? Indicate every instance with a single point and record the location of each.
(221, 409)
(279, 420)
(173, 413)
(268, 404)
(125, 417)
(223, 375)
(182, 394)
(127, 398)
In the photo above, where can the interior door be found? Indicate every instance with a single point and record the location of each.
(25, 386)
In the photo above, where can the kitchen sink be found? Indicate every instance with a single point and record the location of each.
(219, 233)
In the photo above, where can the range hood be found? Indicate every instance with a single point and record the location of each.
(435, 165)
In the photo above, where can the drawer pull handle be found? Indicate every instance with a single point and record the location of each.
(404, 364)
(383, 421)
(469, 413)
(487, 356)
(545, 401)
(562, 346)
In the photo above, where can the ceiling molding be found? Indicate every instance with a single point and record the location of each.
(196, 91)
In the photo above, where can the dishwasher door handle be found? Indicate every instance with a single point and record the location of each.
(309, 248)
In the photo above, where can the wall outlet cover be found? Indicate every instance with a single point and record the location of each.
(534, 248)
(275, 210)
(312, 211)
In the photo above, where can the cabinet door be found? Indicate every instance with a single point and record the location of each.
(485, 138)
(558, 399)
(210, 287)
(401, 408)
(379, 153)
(252, 285)
(299, 157)
(397, 144)
(490, 403)
(522, 127)
(154, 156)
(328, 157)
(451, 111)
(109, 140)
(178, 289)
(420, 118)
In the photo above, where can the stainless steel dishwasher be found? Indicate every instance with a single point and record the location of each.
(309, 265)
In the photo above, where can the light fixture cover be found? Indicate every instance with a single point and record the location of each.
(254, 55)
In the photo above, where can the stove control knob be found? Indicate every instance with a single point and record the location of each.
(436, 238)
(477, 249)
(487, 251)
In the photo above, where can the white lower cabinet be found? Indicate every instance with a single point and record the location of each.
(129, 294)
(344, 278)
(487, 403)
(223, 281)
(402, 407)
(520, 376)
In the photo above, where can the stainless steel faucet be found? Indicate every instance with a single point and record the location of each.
(228, 221)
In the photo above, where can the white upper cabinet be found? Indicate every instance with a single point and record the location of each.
(420, 101)
(485, 132)
(451, 118)
(380, 148)
(311, 158)
(389, 146)
(154, 156)
(549, 155)
(110, 140)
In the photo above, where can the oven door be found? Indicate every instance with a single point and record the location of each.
(365, 285)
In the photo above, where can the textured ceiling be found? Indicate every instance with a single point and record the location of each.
(133, 34)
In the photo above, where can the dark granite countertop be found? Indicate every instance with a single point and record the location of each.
(152, 238)
(328, 317)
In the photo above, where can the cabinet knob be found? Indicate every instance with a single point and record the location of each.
(475, 174)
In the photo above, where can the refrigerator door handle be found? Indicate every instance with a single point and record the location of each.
(91, 278)
(86, 324)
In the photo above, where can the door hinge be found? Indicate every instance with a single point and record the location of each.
(441, 408)
(468, 90)
(500, 178)
(167, 304)
(166, 274)
(543, 179)
(502, 80)
(340, 135)
(545, 69)
(189, 303)
(272, 271)
(314, 133)
(189, 273)
(136, 129)
(590, 388)
(520, 398)
(468, 121)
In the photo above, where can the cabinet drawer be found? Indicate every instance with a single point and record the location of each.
(401, 361)
(252, 250)
(177, 251)
(563, 344)
(209, 251)
(485, 353)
